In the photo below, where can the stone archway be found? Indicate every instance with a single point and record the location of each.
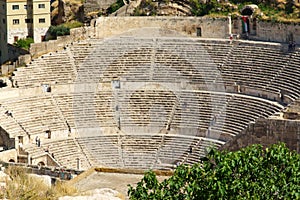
(249, 22)
(41, 164)
(248, 10)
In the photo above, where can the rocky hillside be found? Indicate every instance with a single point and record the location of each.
(66, 10)
(153, 8)
(84, 10)
(80, 10)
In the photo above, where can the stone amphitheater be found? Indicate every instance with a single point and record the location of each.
(142, 101)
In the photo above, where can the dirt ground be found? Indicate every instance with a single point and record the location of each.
(115, 181)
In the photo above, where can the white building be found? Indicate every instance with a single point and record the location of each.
(21, 19)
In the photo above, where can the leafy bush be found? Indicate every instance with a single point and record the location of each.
(24, 43)
(115, 6)
(250, 173)
(59, 30)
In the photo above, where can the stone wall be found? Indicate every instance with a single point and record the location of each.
(53, 172)
(168, 26)
(41, 159)
(5, 141)
(278, 32)
(76, 34)
(269, 31)
(110, 26)
(38, 49)
(8, 155)
(14, 52)
(182, 26)
(18, 56)
(188, 26)
(267, 132)
(96, 5)
(7, 69)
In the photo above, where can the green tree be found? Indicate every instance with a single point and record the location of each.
(250, 173)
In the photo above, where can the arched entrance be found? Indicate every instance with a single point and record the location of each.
(11, 161)
(245, 25)
(248, 11)
(40, 164)
(249, 22)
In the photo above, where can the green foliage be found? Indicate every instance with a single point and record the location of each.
(146, 8)
(250, 173)
(59, 30)
(201, 9)
(24, 43)
(73, 24)
(115, 6)
(275, 11)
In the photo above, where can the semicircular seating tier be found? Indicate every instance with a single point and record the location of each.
(256, 65)
(174, 122)
(146, 102)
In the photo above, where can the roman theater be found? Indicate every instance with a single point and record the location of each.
(149, 93)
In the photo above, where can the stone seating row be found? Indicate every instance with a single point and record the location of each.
(287, 80)
(102, 150)
(68, 153)
(35, 114)
(9, 124)
(240, 112)
(129, 109)
(198, 150)
(86, 110)
(243, 63)
(254, 66)
(126, 151)
(48, 69)
(139, 151)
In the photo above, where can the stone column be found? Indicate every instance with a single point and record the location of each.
(29, 160)
(229, 24)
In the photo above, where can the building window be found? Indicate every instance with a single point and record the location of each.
(16, 38)
(42, 20)
(25, 7)
(16, 21)
(3, 20)
(15, 7)
(42, 5)
(28, 20)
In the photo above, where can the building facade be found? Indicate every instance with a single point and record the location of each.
(24, 18)
(21, 19)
